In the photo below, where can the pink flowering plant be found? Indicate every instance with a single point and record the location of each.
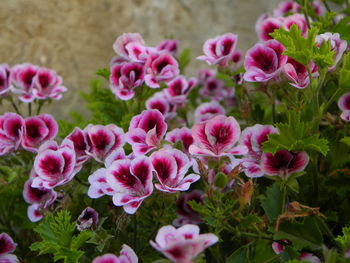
(247, 161)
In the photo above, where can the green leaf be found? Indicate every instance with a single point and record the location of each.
(79, 240)
(346, 140)
(344, 76)
(184, 58)
(239, 256)
(343, 28)
(272, 202)
(104, 72)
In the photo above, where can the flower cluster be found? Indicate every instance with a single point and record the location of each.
(7, 246)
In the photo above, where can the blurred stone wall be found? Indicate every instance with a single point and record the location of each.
(75, 37)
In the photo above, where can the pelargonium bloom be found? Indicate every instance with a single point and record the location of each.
(122, 41)
(103, 140)
(178, 90)
(183, 135)
(87, 218)
(127, 255)
(264, 61)
(208, 110)
(125, 77)
(11, 131)
(171, 166)
(37, 130)
(268, 26)
(204, 74)
(161, 102)
(298, 73)
(217, 137)
(78, 138)
(296, 19)
(169, 45)
(338, 45)
(213, 89)
(22, 80)
(54, 165)
(284, 163)
(219, 50)
(183, 244)
(344, 105)
(185, 214)
(146, 130)
(7, 246)
(132, 182)
(160, 67)
(253, 138)
(47, 84)
(289, 6)
(4, 79)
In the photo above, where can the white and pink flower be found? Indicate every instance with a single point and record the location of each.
(127, 255)
(208, 110)
(78, 138)
(4, 79)
(161, 102)
(11, 132)
(344, 105)
(7, 246)
(169, 45)
(298, 74)
(296, 19)
(88, 218)
(183, 244)
(185, 214)
(22, 79)
(178, 90)
(122, 41)
(267, 26)
(183, 135)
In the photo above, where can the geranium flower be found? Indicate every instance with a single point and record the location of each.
(208, 110)
(298, 74)
(204, 74)
(127, 255)
(183, 244)
(122, 41)
(178, 90)
(132, 182)
(171, 166)
(11, 131)
(22, 79)
(37, 130)
(344, 105)
(284, 163)
(217, 137)
(146, 130)
(102, 140)
(183, 135)
(161, 102)
(4, 79)
(267, 26)
(213, 89)
(264, 61)
(169, 45)
(78, 138)
(7, 246)
(54, 165)
(185, 214)
(87, 218)
(219, 50)
(296, 19)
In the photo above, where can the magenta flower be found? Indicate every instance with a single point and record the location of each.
(264, 61)
(296, 19)
(219, 50)
(338, 45)
(37, 130)
(7, 246)
(22, 80)
(160, 67)
(286, 7)
(122, 41)
(161, 102)
(183, 244)
(88, 218)
(268, 26)
(208, 110)
(284, 163)
(146, 130)
(185, 214)
(183, 135)
(78, 138)
(308, 257)
(103, 140)
(54, 165)
(213, 89)
(204, 74)
(298, 74)
(132, 182)
(171, 166)
(127, 255)
(178, 90)
(125, 77)
(47, 84)
(4, 79)
(217, 137)
(11, 132)
(169, 45)
(344, 105)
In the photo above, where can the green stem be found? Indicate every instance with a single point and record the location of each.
(41, 103)
(315, 180)
(273, 107)
(254, 235)
(30, 109)
(284, 197)
(306, 14)
(14, 106)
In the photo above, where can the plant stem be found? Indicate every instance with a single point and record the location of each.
(30, 109)
(284, 197)
(14, 106)
(306, 14)
(41, 103)
(258, 236)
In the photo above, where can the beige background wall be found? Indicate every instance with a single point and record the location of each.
(75, 37)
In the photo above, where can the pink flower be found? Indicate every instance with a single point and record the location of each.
(87, 218)
(125, 77)
(208, 110)
(54, 165)
(169, 45)
(7, 246)
(267, 26)
(132, 182)
(204, 74)
(309, 257)
(338, 45)
(183, 135)
(183, 244)
(160, 67)
(344, 105)
(47, 84)
(264, 61)
(4, 79)
(284, 163)
(40, 198)
(296, 19)
(146, 131)
(37, 130)
(122, 41)
(286, 7)
(127, 255)
(213, 89)
(217, 137)
(298, 74)
(219, 50)
(11, 131)
(185, 214)
(161, 102)
(22, 80)
(171, 166)
(78, 138)
(178, 90)
(277, 247)
(102, 140)
(253, 138)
